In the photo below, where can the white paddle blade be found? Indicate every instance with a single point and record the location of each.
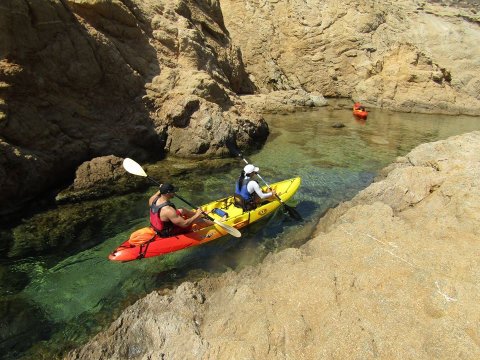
(133, 167)
(230, 229)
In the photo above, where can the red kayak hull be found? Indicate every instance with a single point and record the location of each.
(160, 246)
(357, 112)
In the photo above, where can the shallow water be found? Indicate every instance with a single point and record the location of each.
(55, 301)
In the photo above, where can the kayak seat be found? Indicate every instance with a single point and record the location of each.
(240, 202)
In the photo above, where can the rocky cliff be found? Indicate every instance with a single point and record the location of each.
(406, 55)
(81, 79)
(87, 78)
(391, 274)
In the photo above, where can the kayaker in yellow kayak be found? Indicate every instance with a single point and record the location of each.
(247, 191)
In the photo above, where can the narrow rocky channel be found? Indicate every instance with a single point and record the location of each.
(390, 274)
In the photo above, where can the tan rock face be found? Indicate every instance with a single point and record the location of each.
(285, 101)
(99, 178)
(401, 55)
(87, 78)
(392, 274)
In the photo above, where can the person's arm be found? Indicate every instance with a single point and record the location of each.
(259, 191)
(150, 201)
(176, 219)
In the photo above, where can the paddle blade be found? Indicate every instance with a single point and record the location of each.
(133, 167)
(230, 229)
(294, 214)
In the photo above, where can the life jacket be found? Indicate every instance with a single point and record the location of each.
(242, 197)
(162, 228)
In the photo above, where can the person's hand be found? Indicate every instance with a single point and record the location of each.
(198, 213)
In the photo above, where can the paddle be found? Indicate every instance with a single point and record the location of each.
(134, 168)
(294, 214)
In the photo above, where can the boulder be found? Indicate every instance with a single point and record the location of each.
(98, 178)
(285, 101)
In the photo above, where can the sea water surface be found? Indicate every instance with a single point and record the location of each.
(52, 301)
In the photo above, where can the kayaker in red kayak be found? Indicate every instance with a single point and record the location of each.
(358, 106)
(247, 191)
(166, 219)
(359, 111)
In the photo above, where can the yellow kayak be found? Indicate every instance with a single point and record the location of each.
(238, 218)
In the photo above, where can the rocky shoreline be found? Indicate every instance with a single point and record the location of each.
(391, 274)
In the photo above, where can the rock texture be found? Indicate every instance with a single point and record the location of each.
(392, 274)
(285, 101)
(98, 178)
(406, 55)
(81, 79)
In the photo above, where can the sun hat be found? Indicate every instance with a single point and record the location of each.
(248, 169)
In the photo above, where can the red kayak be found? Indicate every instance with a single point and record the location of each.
(359, 111)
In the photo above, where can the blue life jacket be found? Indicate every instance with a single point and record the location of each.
(242, 191)
(242, 198)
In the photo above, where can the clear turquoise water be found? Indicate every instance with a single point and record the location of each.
(56, 301)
